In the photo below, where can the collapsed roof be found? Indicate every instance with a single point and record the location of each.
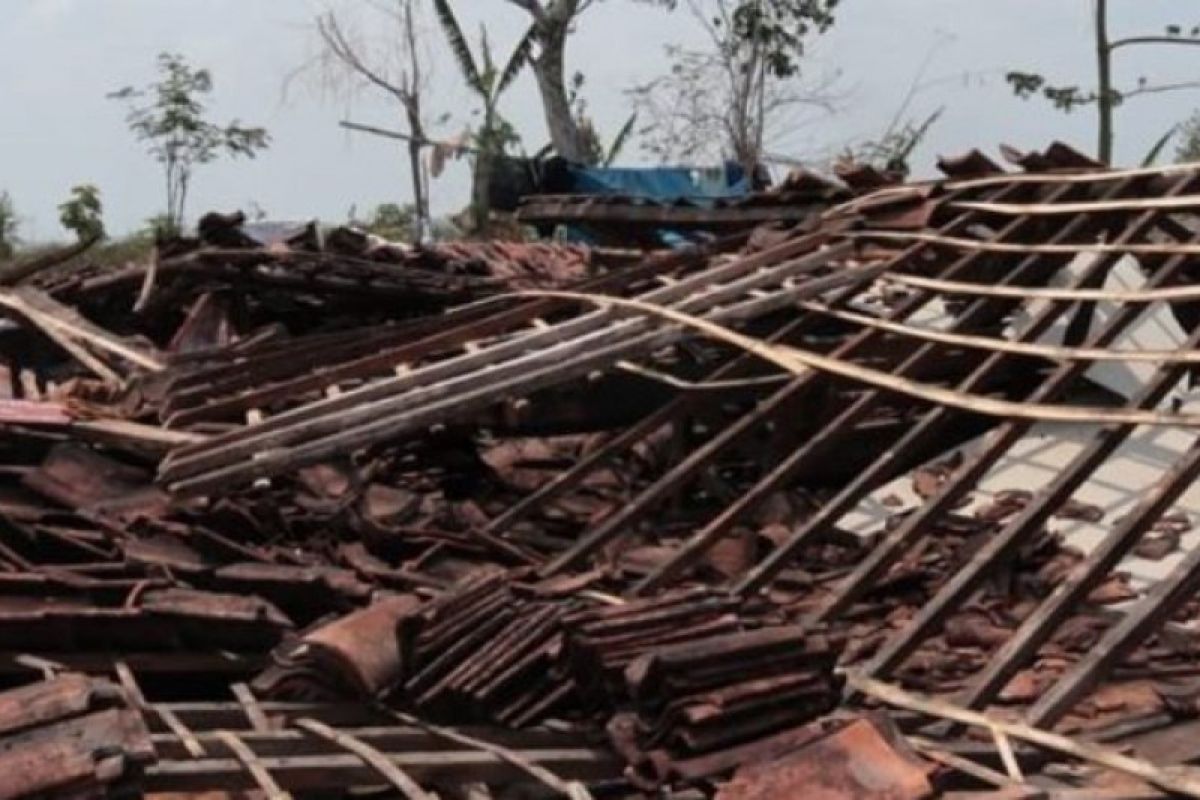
(716, 503)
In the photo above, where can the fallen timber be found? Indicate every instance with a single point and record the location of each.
(877, 468)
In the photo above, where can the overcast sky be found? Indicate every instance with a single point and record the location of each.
(59, 58)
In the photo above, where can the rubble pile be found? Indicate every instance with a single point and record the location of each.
(799, 509)
(71, 736)
(696, 702)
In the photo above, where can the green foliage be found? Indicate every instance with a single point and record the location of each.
(169, 115)
(483, 76)
(1106, 96)
(120, 252)
(775, 30)
(741, 89)
(618, 144)
(892, 151)
(1188, 149)
(589, 137)
(161, 227)
(495, 136)
(781, 27)
(391, 221)
(498, 138)
(82, 213)
(517, 60)
(1065, 98)
(458, 43)
(8, 226)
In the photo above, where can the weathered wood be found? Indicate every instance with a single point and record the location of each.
(1185, 781)
(800, 361)
(1085, 207)
(254, 767)
(1003, 438)
(376, 759)
(818, 443)
(365, 422)
(1146, 616)
(1073, 590)
(1022, 248)
(1141, 296)
(309, 773)
(1180, 355)
(17, 271)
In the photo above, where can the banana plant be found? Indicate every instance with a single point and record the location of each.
(487, 81)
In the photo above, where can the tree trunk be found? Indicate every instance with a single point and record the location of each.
(410, 98)
(173, 218)
(481, 206)
(20, 270)
(481, 178)
(184, 178)
(416, 141)
(758, 118)
(550, 70)
(1104, 103)
(419, 199)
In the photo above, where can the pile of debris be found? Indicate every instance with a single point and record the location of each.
(796, 511)
(71, 737)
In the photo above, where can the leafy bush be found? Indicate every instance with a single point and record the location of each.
(81, 214)
(8, 226)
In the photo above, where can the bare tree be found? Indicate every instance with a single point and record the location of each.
(1106, 96)
(778, 27)
(553, 21)
(726, 101)
(488, 81)
(398, 73)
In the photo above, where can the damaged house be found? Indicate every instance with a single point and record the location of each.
(879, 491)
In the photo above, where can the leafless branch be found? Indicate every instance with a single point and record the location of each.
(721, 102)
(915, 85)
(1134, 40)
(1161, 88)
(345, 61)
(334, 37)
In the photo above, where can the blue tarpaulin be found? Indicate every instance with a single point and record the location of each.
(699, 186)
(662, 184)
